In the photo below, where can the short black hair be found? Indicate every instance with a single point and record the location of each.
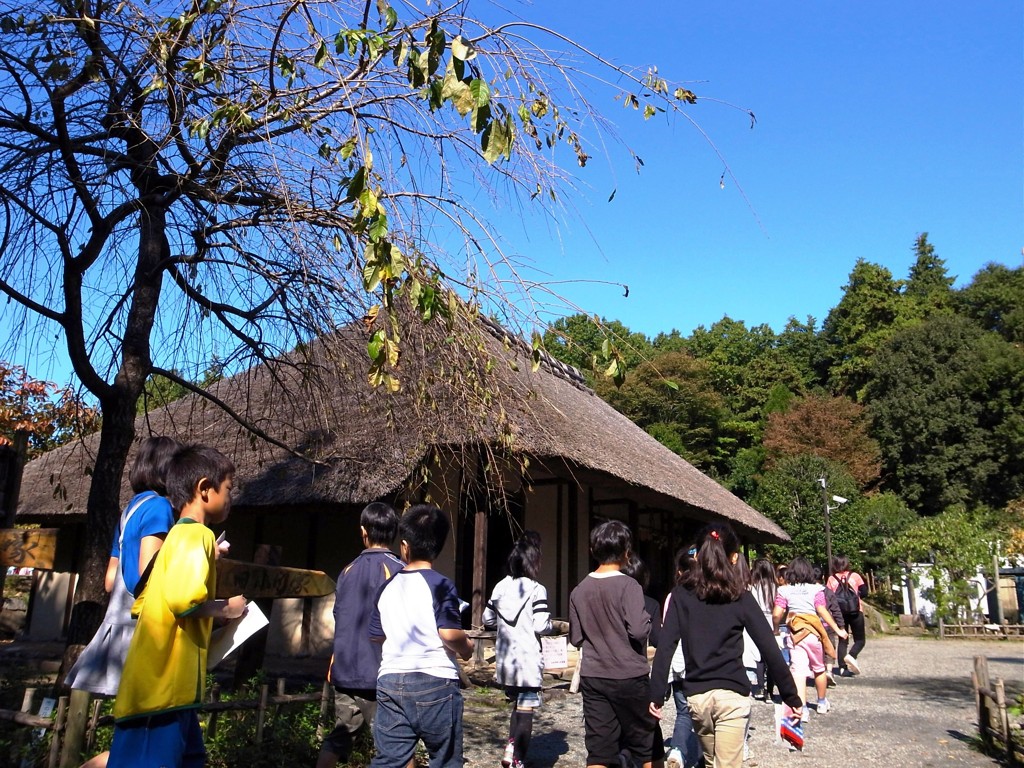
(380, 521)
(610, 542)
(800, 571)
(637, 568)
(191, 464)
(149, 470)
(840, 563)
(424, 528)
(524, 559)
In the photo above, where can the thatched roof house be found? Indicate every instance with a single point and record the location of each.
(478, 433)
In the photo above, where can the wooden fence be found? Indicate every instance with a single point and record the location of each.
(993, 719)
(981, 631)
(214, 708)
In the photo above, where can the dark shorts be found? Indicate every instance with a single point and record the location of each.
(616, 717)
(170, 738)
(354, 709)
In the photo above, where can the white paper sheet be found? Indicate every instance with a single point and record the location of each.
(230, 637)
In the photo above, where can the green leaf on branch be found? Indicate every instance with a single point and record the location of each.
(435, 47)
(321, 55)
(378, 227)
(497, 140)
(481, 92)
(355, 187)
(390, 19)
(400, 53)
(375, 347)
(480, 118)
(535, 352)
(346, 149)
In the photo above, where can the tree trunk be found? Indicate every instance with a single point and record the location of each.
(116, 436)
(117, 405)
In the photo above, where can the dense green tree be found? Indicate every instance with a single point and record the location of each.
(947, 404)
(744, 471)
(995, 299)
(673, 341)
(790, 494)
(588, 343)
(805, 347)
(672, 397)
(834, 428)
(867, 315)
(745, 367)
(929, 290)
(885, 516)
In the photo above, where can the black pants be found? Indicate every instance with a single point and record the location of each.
(855, 626)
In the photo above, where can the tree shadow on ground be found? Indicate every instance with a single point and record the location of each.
(936, 688)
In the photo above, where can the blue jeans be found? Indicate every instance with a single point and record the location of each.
(683, 736)
(413, 706)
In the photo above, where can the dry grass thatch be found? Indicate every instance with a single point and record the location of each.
(359, 444)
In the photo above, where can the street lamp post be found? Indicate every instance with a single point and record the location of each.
(839, 500)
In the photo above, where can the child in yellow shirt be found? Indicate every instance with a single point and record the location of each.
(164, 679)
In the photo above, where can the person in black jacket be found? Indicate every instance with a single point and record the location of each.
(708, 612)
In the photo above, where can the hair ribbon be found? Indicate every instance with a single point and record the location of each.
(715, 536)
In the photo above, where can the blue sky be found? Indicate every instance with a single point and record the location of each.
(875, 121)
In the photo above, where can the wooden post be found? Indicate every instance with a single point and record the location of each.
(280, 693)
(74, 736)
(325, 695)
(261, 712)
(479, 564)
(1004, 720)
(981, 685)
(56, 732)
(26, 707)
(94, 719)
(211, 726)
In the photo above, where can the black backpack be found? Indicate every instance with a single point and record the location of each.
(846, 595)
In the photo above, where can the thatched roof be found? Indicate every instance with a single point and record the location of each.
(368, 443)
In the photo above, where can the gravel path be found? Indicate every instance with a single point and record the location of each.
(912, 707)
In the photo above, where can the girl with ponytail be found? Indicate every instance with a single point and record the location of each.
(708, 612)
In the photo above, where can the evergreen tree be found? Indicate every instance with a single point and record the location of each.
(995, 299)
(868, 314)
(947, 402)
(928, 288)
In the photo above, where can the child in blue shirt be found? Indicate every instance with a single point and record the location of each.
(416, 617)
(356, 660)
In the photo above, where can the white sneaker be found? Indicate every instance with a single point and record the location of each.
(674, 759)
(823, 707)
(851, 664)
(510, 754)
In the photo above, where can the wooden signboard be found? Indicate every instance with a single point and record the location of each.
(237, 578)
(28, 548)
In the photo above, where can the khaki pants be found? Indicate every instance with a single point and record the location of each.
(720, 720)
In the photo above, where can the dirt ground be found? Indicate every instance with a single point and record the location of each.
(913, 706)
